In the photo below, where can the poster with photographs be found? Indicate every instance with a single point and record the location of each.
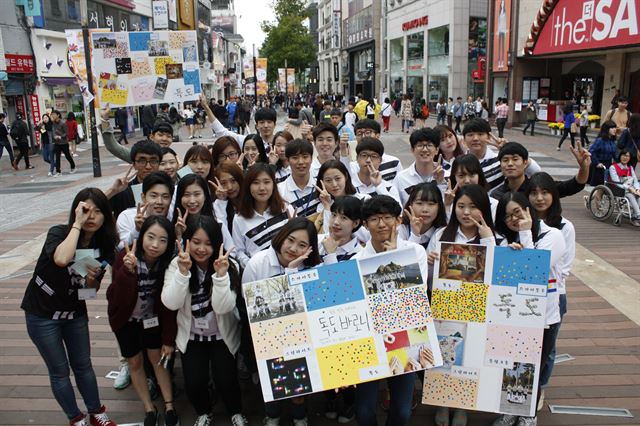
(341, 324)
(489, 306)
(145, 67)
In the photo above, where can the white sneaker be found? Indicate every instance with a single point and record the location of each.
(75, 155)
(203, 420)
(49, 174)
(122, 380)
(270, 421)
(73, 171)
(56, 174)
(239, 420)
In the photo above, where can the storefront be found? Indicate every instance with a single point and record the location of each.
(359, 43)
(578, 52)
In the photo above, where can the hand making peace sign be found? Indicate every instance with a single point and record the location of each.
(184, 258)
(130, 261)
(221, 264)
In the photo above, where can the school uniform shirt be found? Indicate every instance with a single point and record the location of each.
(550, 239)
(304, 201)
(368, 251)
(492, 172)
(177, 296)
(569, 235)
(315, 168)
(326, 217)
(389, 167)
(264, 264)
(405, 233)
(282, 174)
(126, 225)
(385, 187)
(52, 291)
(204, 327)
(408, 178)
(255, 234)
(343, 252)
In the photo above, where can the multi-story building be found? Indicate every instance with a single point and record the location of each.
(227, 63)
(556, 52)
(434, 48)
(329, 32)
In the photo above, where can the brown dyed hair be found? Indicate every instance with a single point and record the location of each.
(246, 206)
(199, 152)
(220, 145)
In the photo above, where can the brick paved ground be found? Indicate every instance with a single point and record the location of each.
(605, 343)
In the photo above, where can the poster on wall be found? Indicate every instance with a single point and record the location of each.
(145, 67)
(341, 324)
(291, 80)
(501, 35)
(261, 76)
(77, 61)
(282, 79)
(489, 306)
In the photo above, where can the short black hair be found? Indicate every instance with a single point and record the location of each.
(380, 204)
(266, 114)
(426, 134)
(513, 148)
(164, 106)
(157, 178)
(623, 99)
(296, 103)
(476, 125)
(166, 150)
(349, 206)
(326, 127)
(145, 147)
(327, 102)
(298, 146)
(162, 126)
(367, 123)
(370, 144)
(336, 111)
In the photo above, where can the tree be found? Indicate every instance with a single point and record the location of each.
(287, 38)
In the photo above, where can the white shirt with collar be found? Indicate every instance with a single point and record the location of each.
(304, 201)
(263, 265)
(390, 166)
(405, 233)
(368, 251)
(254, 234)
(343, 252)
(385, 187)
(408, 178)
(315, 168)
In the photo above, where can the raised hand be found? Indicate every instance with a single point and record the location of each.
(433, 257)
(415, 221)
(240, 160)
(141, 211)
(375, 175)
(273, 157)
(184, 258)
(221, 264)
(438, 171)
(83, 210)
(344, 145)
(483, 229)
(392, 242)
(526, 223)
(325, 197)
(218, 189)
(104, 113)
(181, 223)
(450, 194)
(130, 261)
(582, 156)
(305, 129)
(496, 141)
(295, 263)
(121, 183)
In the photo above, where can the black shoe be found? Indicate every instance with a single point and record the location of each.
(171, 418)
(151, 418)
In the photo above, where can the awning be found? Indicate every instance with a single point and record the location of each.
(59, 81)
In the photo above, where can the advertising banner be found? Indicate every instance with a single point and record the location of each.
(261, 76)
(282, 80)
(501, 35)
(291, 80)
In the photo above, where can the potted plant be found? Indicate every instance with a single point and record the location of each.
(594, 120)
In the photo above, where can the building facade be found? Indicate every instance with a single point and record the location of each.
(556, 52)
(434, 48)
(329, 39)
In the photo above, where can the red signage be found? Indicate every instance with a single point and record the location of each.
(589, 24)
(20, 64)
(20, 106)
(35, 114)
(479, 73)
(415, 23)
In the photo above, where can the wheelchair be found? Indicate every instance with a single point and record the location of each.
(606, 200)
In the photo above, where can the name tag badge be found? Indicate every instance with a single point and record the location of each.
(150, 323)
(86, 293)
(202, 323)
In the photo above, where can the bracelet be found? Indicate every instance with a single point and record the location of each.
(78, 228)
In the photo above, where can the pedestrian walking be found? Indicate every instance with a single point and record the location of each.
(441, 110)
(569, 120)
(502, 111)
(72, 133)
(19, 132)
(584, 125)
(385, 111)
(450, 104)
(122, 119)
(531, 116)
(458, 112)
(148, 120)
(44, 127)
(4, 140)
(406, 112)
(60, 141)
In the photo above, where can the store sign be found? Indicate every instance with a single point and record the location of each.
(415, 23)
(20, 64)
(590, 24)
(20, 106)
(35, 114)
(358, 28)
(160, 14)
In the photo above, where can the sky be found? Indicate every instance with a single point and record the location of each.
(250, 14)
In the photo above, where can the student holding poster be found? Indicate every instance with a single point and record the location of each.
(381, 216)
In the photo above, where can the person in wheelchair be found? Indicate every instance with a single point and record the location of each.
(603, 152)
(623, 176)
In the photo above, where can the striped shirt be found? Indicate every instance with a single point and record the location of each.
(204, 327)
(389, 167)
(254, 234)
(146, 292)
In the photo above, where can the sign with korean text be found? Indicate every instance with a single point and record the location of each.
(19, 64)
(20, 106)
(590, 24)
(145, 67)
(415, 23)
(358, 29)
(35, 114)
(160, 14)
(341, 324)
(489, 305)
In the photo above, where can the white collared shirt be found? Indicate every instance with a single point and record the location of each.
(343, 252)
(389, 167)
(315, 168)
(408, 178)
(126, 225)
(252, 235)
(304, 201)
(385, 187)
(405, 233)
(264, 264)
(282, 174)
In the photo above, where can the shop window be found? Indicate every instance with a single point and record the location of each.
(73, 10)
(477, 55)
(55, 8)
(396, 62)
(415, 46)
(438, 64)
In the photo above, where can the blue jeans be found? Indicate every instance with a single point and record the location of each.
(47, 155)
(62, 343)
(547, 368)
(401, 392)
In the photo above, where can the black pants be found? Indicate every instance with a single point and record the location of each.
(531, 123)
(202, 360)
(500, 123)
(449, 120)
(584, 140)
(63, 148)
(123, 136)
(548, 343)
(23, 148)
(567, 132)
(457, 129)
(5, 144)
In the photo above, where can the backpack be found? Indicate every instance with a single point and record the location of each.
(442, 109)
(417, 110)
(14, 132)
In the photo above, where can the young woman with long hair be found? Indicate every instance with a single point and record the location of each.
(280, 141)
(199, 159)
(451, 146)
(423, 214)
(228, 181)
(55, 307)
(254, 151)
(466, 170)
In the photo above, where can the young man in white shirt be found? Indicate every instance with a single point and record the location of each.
(365, 172)
(299, 188)
(325, 139)
(350, 118)
(381, 215)
(424, 147)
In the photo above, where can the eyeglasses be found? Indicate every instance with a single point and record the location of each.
(513, 216)
(229, 156)
(366, 133)
(421, 146)
(365, 156)
(375, 220)
(143, 162)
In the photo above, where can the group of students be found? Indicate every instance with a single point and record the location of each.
(258, 206)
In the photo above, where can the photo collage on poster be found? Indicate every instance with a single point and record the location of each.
(341, 324)
(145, 67)
(489, 306)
